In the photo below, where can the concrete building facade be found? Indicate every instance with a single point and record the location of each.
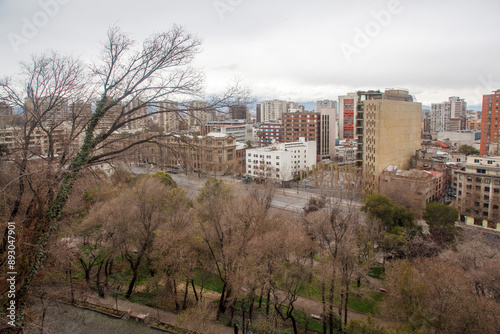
(272, 110)
(478, 192)
(170, 118)
(490, 130)
(272, 132)
(280, 161)
(327, 110)
(388, 131)
(347, 116)
(449, 115)
(413, 188)
(239, 111)
(6, 115)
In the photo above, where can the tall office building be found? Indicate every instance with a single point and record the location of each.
(388, 128)
(490, 131)
(347, 116)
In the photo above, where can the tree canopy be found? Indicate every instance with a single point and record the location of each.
(468, 150)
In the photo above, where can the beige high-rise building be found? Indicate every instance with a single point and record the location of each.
(111, 115)
(48, 110)
(388, 128)
(199, 113)
(6, 115)
(136, 109)
(169, 117)
(272, 110)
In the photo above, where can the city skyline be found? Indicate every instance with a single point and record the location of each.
(293, 50)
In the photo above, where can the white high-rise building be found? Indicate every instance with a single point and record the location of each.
(449, 115)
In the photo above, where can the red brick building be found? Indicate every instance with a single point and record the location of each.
(490, 122)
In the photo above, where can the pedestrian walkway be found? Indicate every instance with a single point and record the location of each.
(138, 310)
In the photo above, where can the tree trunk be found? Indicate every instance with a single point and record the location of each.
(330, 305)
(184, 302)
(176, 301)
(132, 283)
(72, 288)
(323, 304)
(221, 309)
(294, 324)
(340, 304)
(268, 300)
(345, 303)
(260, 298)
(250, 310)
(100, 289)
(194, 291)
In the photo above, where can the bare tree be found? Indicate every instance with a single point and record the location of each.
(155, 70)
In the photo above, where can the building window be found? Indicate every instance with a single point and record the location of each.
(487, 189)
(476, 161)
(481, 171)
(487, 181)
(478, 179)
(277, 163)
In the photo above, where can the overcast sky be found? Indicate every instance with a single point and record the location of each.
(287, 49)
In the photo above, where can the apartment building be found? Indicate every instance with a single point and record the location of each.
(490, 131)
(136, 112)
(272, 132)
(478, 192)
(347, 116)
(280, 161)
(450, 115)
(474, 124)
(170, 118)
(39, 142)
(6, 115)
(199, 113)
(388, 132)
